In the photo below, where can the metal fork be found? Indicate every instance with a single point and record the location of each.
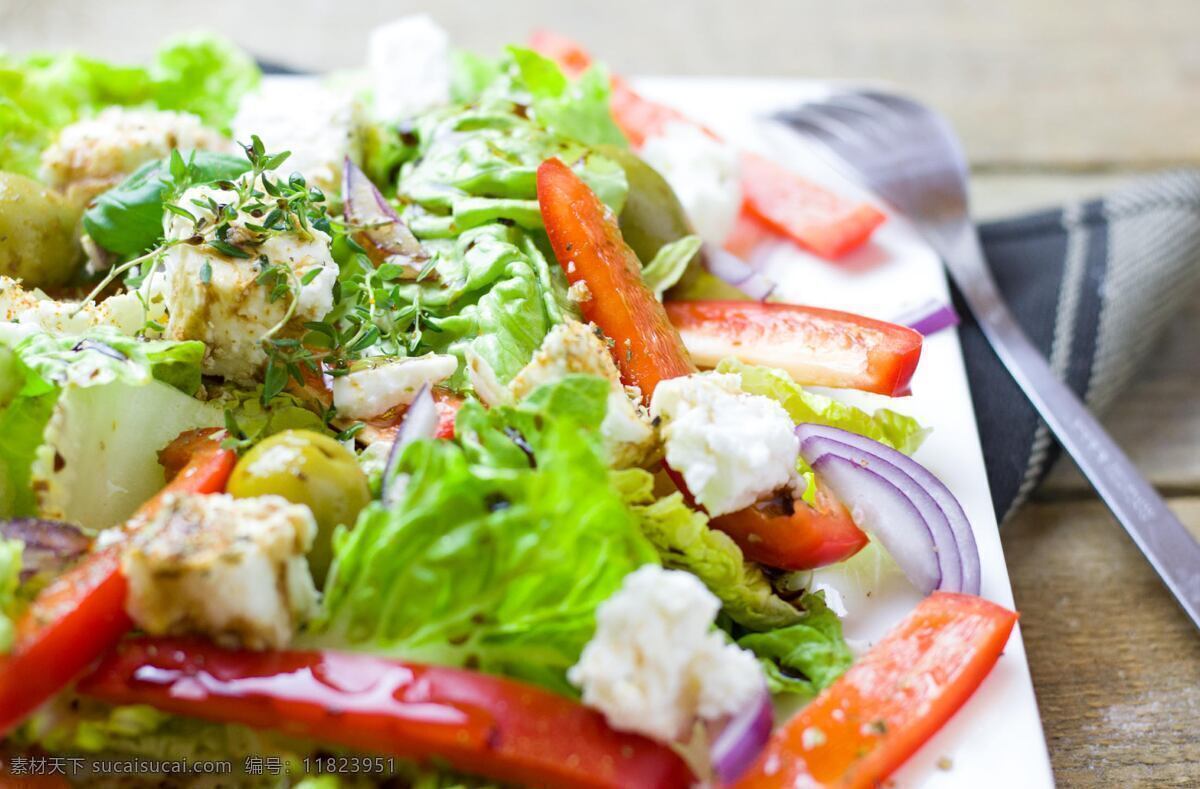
(909, 156)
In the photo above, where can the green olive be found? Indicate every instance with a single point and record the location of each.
(307, 468)
(38, 241)
(653, 215)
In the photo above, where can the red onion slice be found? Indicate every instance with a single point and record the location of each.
(736, 272)
(860, 447)
(929, 318)
(365, 206)
(949, 564)
(50, 546)
(737, 741)
(887, 514)
(420, 421)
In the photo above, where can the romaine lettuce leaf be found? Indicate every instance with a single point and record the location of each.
(500, 549)
(128, 219)
(104, 354)
(10, 576)
(83, 425)
(806, 657)
(886, 426)
(204, 75)
(669, 264)
(39, 94)
(576, 109)
(685, 542)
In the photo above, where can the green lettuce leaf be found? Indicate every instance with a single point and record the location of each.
(77, 426)
(203, 75)
(10, 576)
(128, 219)
(577, 109)
(886, 426)
(500, 549)
(40, 94)
(684, 541)
(806, 657)
(470, 74)
(87, 360)
(669, 264)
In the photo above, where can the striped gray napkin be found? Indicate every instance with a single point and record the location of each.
(1093, 284)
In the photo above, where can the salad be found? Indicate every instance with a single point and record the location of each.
(429, 416)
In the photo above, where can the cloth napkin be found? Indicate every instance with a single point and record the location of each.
(1093, 284)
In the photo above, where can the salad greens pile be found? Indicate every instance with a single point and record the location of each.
(492, 550)
(41, 94)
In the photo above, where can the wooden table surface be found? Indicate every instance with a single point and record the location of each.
(1055, 100)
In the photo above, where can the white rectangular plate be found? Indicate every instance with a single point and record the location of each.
(996, 739)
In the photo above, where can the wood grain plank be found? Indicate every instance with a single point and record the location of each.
(1084, 83)
(1115, 663)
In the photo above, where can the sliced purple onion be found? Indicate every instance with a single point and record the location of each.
(887, 514)
(883, 462)
(365, 206)
(736, 272)
(420, 421)
(929, 318)
(944, 544)
(50, 546)
(736, 742)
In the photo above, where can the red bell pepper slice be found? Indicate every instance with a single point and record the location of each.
(491, 726)
(877, 714)
(816, 347)
(81, 614)
(589, 247)
(807, 213)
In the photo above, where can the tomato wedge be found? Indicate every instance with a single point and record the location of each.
(868, 722)
(387, 425)
(589, 247)
(491, 726)
(793, 535)
(807, 213)
(81, 614)
(815, 346)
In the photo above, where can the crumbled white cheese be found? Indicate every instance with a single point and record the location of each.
(384, 385)
(318, 125)
(704, 174)
(409, 63)
(656, 663)
(573, 347)
(231, 569)
(94, 154)
(732, 448)
(232, 312)
(33, 308)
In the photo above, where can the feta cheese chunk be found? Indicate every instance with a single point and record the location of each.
(732, 448)
(231, 569)
(318, 125)
(409, 64)
(231, 312)
(384, 385)
(573, 347)
(704, 174)
(656, 663)
(95, 154)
